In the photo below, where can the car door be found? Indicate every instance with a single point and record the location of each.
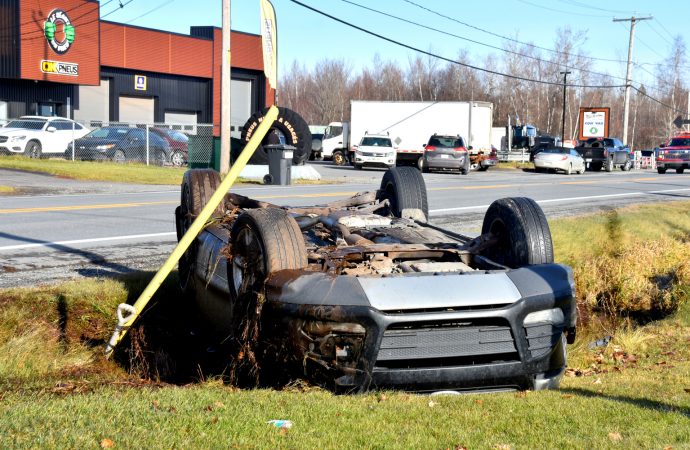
(58, 133)
(135, 144)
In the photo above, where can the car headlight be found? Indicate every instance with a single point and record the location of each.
(17, 138)
(105, 147)
(552, 316)
(334, 342)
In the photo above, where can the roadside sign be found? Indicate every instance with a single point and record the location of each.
(139, 82)
(679, 122)
(594, 122)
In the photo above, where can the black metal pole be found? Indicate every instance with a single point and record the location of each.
(565, 76)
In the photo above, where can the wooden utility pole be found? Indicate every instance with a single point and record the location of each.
(628, 72)
(565, 77)
(225, 89)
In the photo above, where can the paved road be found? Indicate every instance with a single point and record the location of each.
(61, 228)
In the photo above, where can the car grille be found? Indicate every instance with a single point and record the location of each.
(446, 344)
(373, 154)
(542, 337)
(3, 139)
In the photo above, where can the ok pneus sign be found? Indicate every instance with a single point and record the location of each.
(60, 34)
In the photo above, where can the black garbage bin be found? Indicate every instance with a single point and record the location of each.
(279, 164)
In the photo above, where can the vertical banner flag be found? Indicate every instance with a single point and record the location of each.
(268, 39)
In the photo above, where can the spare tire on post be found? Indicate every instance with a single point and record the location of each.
(288, 124)
(521, 232)
(198, 185)
(405, 190)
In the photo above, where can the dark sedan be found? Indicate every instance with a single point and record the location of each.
(120, 144)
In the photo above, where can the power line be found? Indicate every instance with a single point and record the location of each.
(660, 102)
(443, 58)
(586, 6)
(570, 13)
(482, 43)
(659, 34)
(156, 8)
(513, 39)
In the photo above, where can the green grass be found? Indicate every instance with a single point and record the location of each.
(6, 189)
(56, 391)
(515, 165)
(107, 171)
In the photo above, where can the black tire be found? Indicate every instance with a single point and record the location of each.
(33, 150)
(420, 163)
(405, 189)
(119, 157)
(264, 241)
(358, 167)
(627, 166)
(159, 158)
(290, 124)
(680, 170)
(522, 233)
(198, 185)
(609, 164)
(339, 158)
(661, 170)
(483, 168)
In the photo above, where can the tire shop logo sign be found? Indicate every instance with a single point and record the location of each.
(59, 31)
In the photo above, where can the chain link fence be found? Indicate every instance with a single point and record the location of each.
(161, 144)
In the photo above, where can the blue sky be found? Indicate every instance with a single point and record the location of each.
(308, 37)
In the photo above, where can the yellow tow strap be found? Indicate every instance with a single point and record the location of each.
(127, 314)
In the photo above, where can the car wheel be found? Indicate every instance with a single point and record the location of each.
(33, 150)
(405, 190)
(289, 125)
(475, 166)
(483, 168)
(420, 163)
(198, 185)
(625, 167)
(358, 166)
(339, 158)
(119, 157)
(520, 231)
(680, 170)
(609, 165)
(569, 170)
(264, 241)
(177, 159)
(159, 158)
(661, 170)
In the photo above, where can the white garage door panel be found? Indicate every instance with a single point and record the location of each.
(241, 99)
(136, 109)
(176, 118)
(94, 103)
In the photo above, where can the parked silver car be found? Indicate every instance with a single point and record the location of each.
(566, 160)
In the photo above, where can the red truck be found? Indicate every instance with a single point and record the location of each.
(675, 154)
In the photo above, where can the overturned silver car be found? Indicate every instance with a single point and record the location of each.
(364, 293)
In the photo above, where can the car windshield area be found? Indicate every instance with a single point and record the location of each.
(446, 141)
(108, 133)
(679, 142)
(376, 142)
(333, 131)
(27, 124)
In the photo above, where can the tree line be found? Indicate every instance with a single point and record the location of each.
(322, 94)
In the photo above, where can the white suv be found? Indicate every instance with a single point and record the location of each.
(374, 150)
(36, 136)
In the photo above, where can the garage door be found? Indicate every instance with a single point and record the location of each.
(94, 104)
(136, 110)
(177, 118)
(3, 112)
(241, 99)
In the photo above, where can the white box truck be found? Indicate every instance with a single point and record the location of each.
(409, 125)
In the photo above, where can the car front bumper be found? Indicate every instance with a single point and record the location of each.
(374, 159)
(421, 346)
(673, 164)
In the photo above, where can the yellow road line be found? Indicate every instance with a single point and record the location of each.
(82, 207)
(321, 195)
